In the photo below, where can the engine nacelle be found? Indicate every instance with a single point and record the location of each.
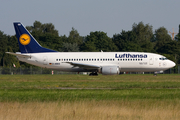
(110, 70)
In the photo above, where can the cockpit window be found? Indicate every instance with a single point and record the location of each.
(163, 58)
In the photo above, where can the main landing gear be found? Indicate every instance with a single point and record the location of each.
(155, 74)
(93, 74)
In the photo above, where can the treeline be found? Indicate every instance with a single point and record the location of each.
(141, 38)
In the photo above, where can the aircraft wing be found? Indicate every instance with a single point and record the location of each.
(85, 66)
(19, 55)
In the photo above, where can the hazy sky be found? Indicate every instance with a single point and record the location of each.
(109, 16)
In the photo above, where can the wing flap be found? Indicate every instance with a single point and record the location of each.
(85, 66)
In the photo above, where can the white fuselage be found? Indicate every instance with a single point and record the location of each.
(126, 61)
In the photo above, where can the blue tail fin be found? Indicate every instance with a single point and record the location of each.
(27, 42)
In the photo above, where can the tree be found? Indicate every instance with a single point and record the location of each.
(74, 37)
(162, 38)
(144, 35)
(9, 60)
(126, 41)
(46, 35)
(98, 41)
(7, 44)
(38, 29)
(143, 32)
(166, 46)
(70, 47)
(73, 42)
(177, 37)
(50, 41)
(3, 47)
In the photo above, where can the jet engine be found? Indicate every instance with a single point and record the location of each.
(110, 70)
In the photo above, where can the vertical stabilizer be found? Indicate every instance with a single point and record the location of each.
(27, 43)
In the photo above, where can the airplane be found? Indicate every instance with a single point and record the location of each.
(106, 63)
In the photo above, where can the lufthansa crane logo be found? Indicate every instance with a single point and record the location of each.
(24, 39)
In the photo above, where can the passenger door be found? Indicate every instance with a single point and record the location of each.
(151, 60)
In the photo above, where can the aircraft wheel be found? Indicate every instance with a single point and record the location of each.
(93, 74)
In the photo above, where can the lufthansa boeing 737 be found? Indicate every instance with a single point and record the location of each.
(106, 63)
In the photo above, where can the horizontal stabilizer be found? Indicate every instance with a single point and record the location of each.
(19, 55)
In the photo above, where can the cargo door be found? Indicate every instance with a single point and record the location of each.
(45, 60)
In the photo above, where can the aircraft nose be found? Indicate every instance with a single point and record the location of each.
(172, 64)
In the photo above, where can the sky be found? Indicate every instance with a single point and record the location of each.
(109, 16)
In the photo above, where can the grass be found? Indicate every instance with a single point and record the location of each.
(28, 95)
(91, 110)
(83, 81)
(123, 97)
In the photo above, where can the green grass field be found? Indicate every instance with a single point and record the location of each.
(90, 97)
(81, 87)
